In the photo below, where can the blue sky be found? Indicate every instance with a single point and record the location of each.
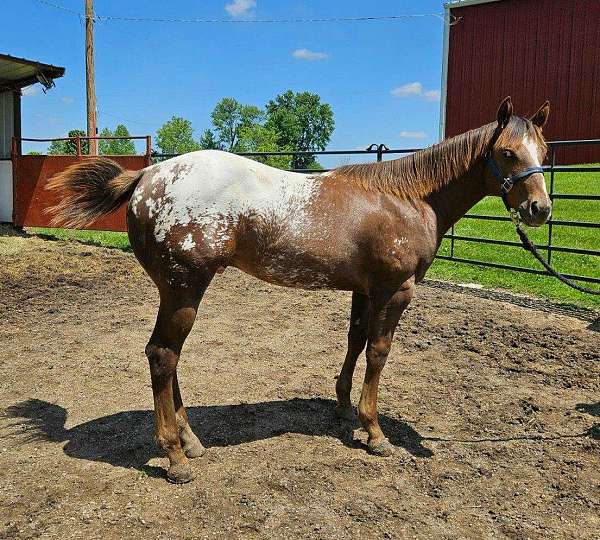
(382, 78)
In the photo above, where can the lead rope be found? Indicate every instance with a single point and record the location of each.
(529, 246)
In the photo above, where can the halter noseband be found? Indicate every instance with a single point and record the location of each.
(507, 182)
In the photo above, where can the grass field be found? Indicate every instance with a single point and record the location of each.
(543, 286)
(577, 237)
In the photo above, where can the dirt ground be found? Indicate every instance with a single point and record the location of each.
(494, 409)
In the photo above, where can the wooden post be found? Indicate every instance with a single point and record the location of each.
(90, 84)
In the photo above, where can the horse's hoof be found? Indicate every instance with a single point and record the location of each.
(346, 413)
(180, 473)
(194, 449)
(382, 449)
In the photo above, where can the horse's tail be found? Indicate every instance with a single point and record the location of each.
(90, 189)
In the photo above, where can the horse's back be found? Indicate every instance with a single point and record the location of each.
(212, 206)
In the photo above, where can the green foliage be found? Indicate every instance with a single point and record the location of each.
(176, 136)
(208, 141)
(69, 148)
(229, 117)
(258, 138)
(34, 153)
(294, 121)
(116, 147)
(302, 122)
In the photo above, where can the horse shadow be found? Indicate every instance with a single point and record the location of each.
(126, 439)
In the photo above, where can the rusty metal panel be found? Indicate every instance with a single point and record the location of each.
(532, 50)
(30, 175)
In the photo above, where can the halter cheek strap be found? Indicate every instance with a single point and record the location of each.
(508, 182)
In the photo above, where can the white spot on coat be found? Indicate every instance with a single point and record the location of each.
(533, 150)
(188, 243)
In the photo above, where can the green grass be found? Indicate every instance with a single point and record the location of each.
(578, 237)
(97, 238)
(572, 183)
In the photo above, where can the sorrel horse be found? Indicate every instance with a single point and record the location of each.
(372, 229)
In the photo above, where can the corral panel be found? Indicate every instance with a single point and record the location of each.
(31, 174)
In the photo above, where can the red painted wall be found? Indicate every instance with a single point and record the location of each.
(30, 198)
(532, 50)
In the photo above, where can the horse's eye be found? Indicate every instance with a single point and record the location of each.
(508, 153)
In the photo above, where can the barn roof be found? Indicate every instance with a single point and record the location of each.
(16, 73)
(462, 3)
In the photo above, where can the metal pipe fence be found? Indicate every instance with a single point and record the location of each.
(379, 151)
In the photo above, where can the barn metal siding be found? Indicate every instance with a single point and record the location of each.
(532, 50)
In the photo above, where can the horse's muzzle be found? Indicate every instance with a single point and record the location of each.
(535, 213)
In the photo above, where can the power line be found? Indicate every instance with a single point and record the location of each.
(62, 8)
(246, 21)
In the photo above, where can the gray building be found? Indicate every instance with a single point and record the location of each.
(15, 74)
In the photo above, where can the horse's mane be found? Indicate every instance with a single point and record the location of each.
(419, 174)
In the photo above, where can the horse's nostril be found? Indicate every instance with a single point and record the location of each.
(535, 209)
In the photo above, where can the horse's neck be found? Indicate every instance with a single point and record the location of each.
(455, 199)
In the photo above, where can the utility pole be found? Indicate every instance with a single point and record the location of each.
(90, 84)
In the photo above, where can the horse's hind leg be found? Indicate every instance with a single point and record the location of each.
(175, 319)
(191, 445)
(357, 339)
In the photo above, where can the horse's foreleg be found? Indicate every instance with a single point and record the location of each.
(357, 339)
(386, 310)
(176, 316)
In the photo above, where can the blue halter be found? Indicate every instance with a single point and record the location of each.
(507, 183)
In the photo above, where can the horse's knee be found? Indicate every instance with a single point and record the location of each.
(163, 361)
(377, 353)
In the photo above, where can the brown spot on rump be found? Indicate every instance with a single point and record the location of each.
(90, 189)
(177, 169)
(419, 174)
(183, 267)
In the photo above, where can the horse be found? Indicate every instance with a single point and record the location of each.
(372, 229)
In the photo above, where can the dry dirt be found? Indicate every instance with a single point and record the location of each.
(494, 409)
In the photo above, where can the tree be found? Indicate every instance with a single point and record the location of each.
(116, 147)
(69, 147)
(229, 117)
(302, 122)
(258, 138)
(176, 136)
(103, 144)
(208, 141)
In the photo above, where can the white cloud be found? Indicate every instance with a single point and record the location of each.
(239, 8)
(67, 99)
(410, 89)
(415, 89)
(413, 135)
(311, 56)
(432, 95)
(33, 90)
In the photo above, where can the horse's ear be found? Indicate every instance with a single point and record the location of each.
(505, 112)
(540, 118)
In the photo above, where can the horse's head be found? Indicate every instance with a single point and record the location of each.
(514, 163)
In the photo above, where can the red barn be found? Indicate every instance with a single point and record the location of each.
(532, 50)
